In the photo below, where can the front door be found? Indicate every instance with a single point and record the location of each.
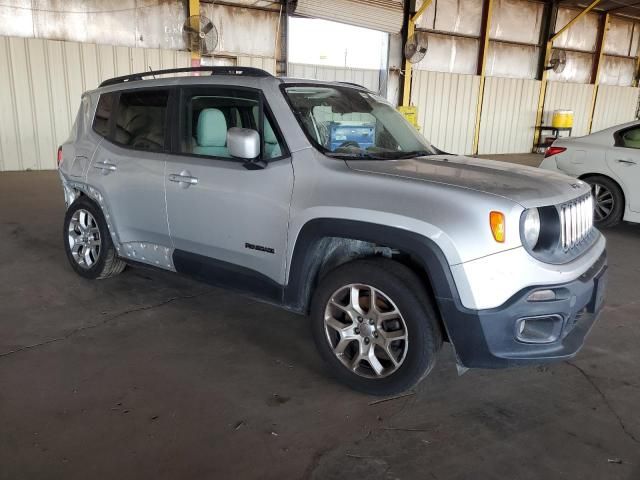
(624, 160)
(129, 166)
(228, 222)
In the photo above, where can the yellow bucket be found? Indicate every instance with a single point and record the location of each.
(562, 119)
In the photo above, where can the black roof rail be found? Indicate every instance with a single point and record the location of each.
(240, 71)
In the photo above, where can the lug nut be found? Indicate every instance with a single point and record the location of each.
(360, 319)
(357, 331)
(366, 340)
(371, 321)
(375, 334)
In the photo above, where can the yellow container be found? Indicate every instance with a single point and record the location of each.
(562, 119)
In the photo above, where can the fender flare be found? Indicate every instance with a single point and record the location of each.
(426, 252)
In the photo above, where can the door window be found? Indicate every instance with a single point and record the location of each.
(209, 114)
(141, 120)
(629, 138)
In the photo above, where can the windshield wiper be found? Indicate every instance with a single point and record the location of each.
(413, 154)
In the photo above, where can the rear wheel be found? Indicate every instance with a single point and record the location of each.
(375, 327)
(88, 243)
(608, 201)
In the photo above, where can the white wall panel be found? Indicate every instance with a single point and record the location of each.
(614, 105)
(41, 84)
(508, 115)
(569, 96)
(367, 78)
(446, 105)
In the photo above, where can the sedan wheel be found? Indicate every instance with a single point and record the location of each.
(604, 202)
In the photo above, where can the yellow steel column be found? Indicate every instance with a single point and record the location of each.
(547, 58)
(596, 72)
(194, 9)
(411, 28)
(482, 70)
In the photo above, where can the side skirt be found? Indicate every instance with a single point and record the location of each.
(228, 276)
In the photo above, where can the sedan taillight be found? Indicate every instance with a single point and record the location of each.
(59, 156)
(553, 151)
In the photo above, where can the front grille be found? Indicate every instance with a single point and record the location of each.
(576, 221)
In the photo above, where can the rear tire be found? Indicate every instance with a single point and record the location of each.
(608, 201)
(402, 331)
(87, 241)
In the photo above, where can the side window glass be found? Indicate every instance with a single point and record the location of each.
(103, 114)
(141, 120)
(630, 138)
(208, 117)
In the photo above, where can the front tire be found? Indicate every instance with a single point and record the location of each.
(608, 201)
(87, 241)
(375, 326)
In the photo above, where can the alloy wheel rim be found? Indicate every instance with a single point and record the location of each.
(366, 331)
(603, 202)
(84, 239)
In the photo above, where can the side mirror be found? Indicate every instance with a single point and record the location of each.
(243, 143)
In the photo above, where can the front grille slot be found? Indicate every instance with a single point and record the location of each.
(576, 221)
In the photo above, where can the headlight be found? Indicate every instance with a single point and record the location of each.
(531, 228)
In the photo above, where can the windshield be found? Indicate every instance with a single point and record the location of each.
(346, 122)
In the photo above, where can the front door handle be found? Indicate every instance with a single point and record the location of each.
(106, 167)
(184, 178)
(625, 161)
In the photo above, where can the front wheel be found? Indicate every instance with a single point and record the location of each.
(375, 326)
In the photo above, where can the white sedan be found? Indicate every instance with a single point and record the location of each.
(609, 160)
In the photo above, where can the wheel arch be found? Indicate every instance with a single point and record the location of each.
(323, 244)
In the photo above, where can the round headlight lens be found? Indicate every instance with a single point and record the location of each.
(531, 228)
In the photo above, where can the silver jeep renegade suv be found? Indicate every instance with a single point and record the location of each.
(319, 197)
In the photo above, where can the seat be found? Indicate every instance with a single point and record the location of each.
(211, 134)
(271, 145)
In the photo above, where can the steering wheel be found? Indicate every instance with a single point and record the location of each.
(349, 143)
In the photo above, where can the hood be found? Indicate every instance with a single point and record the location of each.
(528, 186)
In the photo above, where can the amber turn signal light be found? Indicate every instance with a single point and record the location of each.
(496, 220)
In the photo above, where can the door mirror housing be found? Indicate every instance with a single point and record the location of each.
(243, 143)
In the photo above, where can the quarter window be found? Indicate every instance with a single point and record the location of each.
(141, 120)
(103, 114)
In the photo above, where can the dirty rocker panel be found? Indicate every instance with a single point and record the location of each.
(228, 275)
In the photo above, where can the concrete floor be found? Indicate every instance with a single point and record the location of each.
(151, 375)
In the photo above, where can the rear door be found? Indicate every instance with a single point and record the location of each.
(228, 222)
(624, 160)
(128, 166)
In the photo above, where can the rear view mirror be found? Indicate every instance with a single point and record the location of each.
(243, 143)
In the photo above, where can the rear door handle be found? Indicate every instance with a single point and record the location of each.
(106, 167)
(184, 178)
(625, 161)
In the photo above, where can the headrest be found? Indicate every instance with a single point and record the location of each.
(633, 135)
(212, 128)
(269, 135)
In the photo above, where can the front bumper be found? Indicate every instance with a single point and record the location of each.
(490, 338)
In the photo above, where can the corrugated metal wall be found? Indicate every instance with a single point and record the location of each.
(41, 83)
(508, 115)
(367, 78)
(569, 96)
(446, 108)
(614, 105)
